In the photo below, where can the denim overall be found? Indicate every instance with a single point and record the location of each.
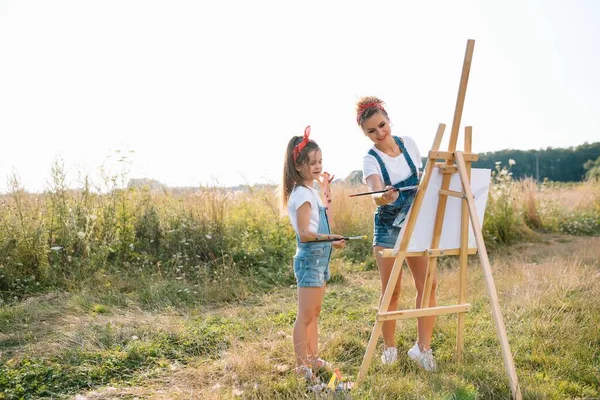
(389, 217)
(311, 262)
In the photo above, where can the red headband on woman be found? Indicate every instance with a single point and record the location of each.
(300, 146)
(365, 107)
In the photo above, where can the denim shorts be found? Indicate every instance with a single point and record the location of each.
(388, 220)
(385, 234)
(311, 264)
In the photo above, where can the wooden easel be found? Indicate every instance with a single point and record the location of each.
(454, 162)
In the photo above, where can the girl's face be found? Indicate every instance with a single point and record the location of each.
(311, 169)
(377, 128)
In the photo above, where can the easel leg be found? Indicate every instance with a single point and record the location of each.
(489, 280)
(368, 357)
(383, 307)
(464, 257)
(462, 280)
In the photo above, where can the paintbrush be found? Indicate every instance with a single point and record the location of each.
(335, 240)
(386, 190)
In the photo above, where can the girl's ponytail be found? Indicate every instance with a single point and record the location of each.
(296, 154)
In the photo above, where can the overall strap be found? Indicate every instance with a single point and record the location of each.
(411, 165)
(384, 173)
(323, 221)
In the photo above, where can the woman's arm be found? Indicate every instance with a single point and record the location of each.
(375, 183)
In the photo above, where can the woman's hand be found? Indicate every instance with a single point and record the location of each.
(391, 195)
(338, 244)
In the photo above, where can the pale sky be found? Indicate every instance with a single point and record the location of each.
(211, 91)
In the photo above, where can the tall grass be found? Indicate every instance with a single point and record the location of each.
(215, 244)
(517, 210)
(508, 211)
(134, 270)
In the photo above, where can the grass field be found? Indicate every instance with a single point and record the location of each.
(103, 347)
(129, 293)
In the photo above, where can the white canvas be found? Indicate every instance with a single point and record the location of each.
(450, 238)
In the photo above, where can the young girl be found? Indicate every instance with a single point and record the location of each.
(310, 219)
(393, 162)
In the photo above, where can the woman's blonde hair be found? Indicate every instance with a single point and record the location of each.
(367, 106)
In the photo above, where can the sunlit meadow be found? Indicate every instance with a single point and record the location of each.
(112, 292)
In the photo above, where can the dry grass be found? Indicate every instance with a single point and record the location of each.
(573, 197)
(164, 324)
(549, 291)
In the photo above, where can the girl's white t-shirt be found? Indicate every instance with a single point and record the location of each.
(299, 196)
(397, 167)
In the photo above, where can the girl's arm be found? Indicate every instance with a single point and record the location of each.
(375, 183)
(303, 221)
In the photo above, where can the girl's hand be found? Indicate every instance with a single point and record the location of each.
(338, 244)
(325, 179)
(391, 195)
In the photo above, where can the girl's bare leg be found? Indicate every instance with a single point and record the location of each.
(305, 333)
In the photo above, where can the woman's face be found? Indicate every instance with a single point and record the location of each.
(377, 128)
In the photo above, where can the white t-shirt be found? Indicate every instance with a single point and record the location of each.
(299, 196)
(397, 167)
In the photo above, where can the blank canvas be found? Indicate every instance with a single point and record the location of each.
(450, 238)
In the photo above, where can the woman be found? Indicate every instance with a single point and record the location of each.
(393, 163)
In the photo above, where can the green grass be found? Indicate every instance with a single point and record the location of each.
(88, 342)
(124, 293)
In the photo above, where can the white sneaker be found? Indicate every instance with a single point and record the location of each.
(423, 358)
(389, 356)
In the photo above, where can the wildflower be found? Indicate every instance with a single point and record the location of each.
(498, 162)
(511, 162)
(56, 248)
(80, 235)
(208, 236)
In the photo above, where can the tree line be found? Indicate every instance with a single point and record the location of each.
(570, 164)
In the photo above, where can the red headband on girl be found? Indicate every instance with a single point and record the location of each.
(300, 146)
(365, 107)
